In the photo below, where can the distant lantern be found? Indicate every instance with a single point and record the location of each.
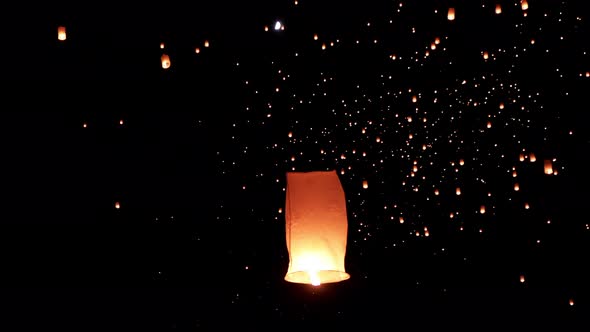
(489, 124)
(461, 162)
(482, 209)
(548, 165)
(501, 106)
(165, 61)
(61, 33)
(414, 99)
(532, 157)
(316, 228)
(571, 302)
(206, 44)
(436, 192)
(458, 191)
(486, 55)
(516, 187)
(451, 14)
(117, 205)
(524, 5)
(522, 278)
(498, 9)
(527, 206)
(161, 46)
(521, 157)
(365, 184)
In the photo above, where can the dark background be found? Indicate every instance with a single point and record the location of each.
(189, 249)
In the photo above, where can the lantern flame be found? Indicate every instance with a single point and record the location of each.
(314, 278)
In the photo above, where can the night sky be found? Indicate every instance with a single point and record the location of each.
(141, 198)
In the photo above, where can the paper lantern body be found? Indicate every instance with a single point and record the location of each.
(61, 33)
(451, 14)
(316, 228)
(165, 61)
(548, 165)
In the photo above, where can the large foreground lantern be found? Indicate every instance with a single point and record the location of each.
(316, 228)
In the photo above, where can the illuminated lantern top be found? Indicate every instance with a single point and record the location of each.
(316, 228)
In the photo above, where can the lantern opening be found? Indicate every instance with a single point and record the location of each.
(316, 228)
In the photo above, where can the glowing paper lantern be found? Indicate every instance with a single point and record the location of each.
(532, 157)
(548, 167)
(165, 61)
(61, 33)
(498, 9)
(316, 228)
(524, 5)
(451, 14)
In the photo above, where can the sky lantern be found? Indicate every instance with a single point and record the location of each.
(482, 209)
(61, 33)
(165, 61)
(521, 157)
(451, 14)
(316, 228)
(486, 55)
(516, 187)
(365, 184)
(548, 165)
(524, 4)
(458, 191)
(498, 9)
(532, 157)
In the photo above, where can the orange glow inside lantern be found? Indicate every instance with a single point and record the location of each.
(165, 61)
(451, 14)
(524, 5)
(316, 228)
(61, 33)
(548, 167)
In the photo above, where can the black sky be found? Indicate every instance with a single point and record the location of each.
(196, 156)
